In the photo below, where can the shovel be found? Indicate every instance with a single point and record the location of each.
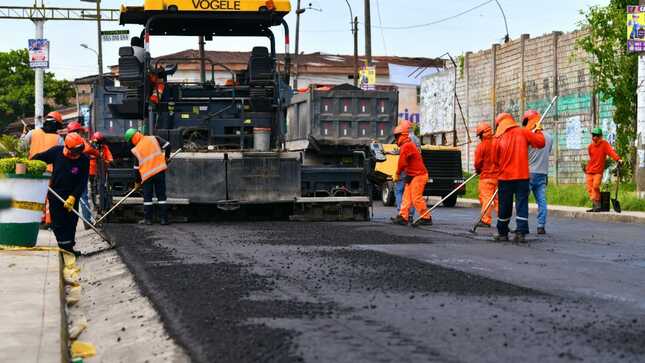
(103, 237)
(488, 205)
(614, 202)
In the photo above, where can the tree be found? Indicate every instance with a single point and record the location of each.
(17, 87)
(613, 69)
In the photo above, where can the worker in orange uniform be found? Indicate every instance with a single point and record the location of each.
(43, 139)
(92, 153)
(511, 154)
(416, 177)
(69, 178)
(151, 153)
(598, 150)
(486, 168)
(98, 142)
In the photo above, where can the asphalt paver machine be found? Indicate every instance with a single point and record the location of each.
(230, 125)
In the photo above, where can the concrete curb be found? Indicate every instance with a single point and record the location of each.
(568, 212)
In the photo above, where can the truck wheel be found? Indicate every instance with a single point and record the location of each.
(450, 202)
(387, 194)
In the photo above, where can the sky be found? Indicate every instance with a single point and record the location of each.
(326, 29)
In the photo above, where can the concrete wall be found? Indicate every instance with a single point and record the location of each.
(526, 74)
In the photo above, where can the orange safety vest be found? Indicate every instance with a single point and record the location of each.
(152, 160)
(42, 141)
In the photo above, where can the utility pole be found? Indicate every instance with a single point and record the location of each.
(202, 59)
(368, 33)
(100, 42)
(299, 12)
(39, 82)
(355, 51)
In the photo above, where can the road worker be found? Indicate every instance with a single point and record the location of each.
(98, 142)
(598, 150)
(416, 177)
(538, 168)
(399, 186)
(486, 168)
(511, 154)
(42, 139)
(69, 179)
(92, 153)
(151, 165)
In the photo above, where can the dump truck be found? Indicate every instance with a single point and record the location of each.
(232, 134)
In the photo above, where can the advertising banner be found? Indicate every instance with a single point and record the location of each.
(636, 28)
(438, 102)
(115, 35)
(367, 77)
(39, 53)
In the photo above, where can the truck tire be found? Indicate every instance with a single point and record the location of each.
(387, 194)
(450, 202)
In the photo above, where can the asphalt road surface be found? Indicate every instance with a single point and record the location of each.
(375, 292)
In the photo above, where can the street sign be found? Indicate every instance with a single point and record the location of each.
(115, 35)
(39, 53)
(636, 28)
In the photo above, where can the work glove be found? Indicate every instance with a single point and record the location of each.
(396, 178)
(538, 127)
(137, 185)
(69, 203)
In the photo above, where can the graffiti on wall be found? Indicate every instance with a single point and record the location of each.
(437, 102)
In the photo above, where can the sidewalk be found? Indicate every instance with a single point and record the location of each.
(567, 212)
(32, 312)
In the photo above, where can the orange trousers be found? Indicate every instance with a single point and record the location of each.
(413, 195)
(487, 188)
(593, 186)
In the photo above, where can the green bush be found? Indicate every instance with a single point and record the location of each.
(34, 167)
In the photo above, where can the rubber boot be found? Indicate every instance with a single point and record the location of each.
(595, 209)
(519, 238)
(163, 215)
(400, 221)
(147, 215)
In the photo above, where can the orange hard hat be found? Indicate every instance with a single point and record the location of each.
(503, 116)
(406, 125)
(401, 130)
(483, 127)
(74, 143)
(98, 137)
(530, 118)
(74, 126)
(54, 115)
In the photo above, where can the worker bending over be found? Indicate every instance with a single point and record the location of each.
(92, 153)
(416, 177)
(43, 139)
(487, 170)
(511, 155)
(598, 150)
(151, 165)
(69, 178)
(399, 186)
(538, 168)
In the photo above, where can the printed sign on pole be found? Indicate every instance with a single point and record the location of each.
(367, 78)
(115, 35)
(636, 28)
(39, 53)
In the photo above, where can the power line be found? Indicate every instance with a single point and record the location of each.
(439, 20)
(380, 23)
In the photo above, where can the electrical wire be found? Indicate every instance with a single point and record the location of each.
(438, 20)
(380, 23)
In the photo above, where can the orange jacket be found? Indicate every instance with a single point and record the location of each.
(511, 150)
(410, 160)
(598, 153)
(107, 159)
(485, 160)
(42, 141)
